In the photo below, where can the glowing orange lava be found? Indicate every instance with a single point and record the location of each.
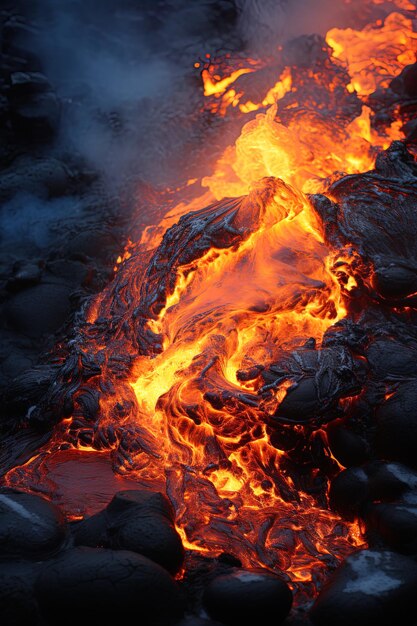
(204, 427)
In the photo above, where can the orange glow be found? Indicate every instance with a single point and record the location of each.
(204, 428)
(376, 54)
(278, 91)
(216, 85)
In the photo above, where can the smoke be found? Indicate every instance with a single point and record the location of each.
(124, 71)
(125, 74)
(28, 221)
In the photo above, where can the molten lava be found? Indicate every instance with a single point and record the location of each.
(207, 302)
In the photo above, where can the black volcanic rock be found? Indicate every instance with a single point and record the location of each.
(396, 436)
(30, 527)
(395, 523)
(349, 491)
(370, 587)
(18, 605)
(320, 379)
(95, 586)
(391, 359)
(40, 309)
(37, 117)
(347, 445)
(375, 213)
(140, 521)
(378, 481)
(247, 597)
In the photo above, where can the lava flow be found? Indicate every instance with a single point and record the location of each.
(188, 363)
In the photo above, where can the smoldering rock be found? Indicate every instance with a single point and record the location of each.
(320, 379)
(138, 521)
(370, 587)
(30, 526)
(396, 435)
(248, 597)
(106, 587)
(375, 213)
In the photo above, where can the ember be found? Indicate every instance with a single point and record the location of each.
(254, 344)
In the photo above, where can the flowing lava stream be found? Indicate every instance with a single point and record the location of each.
(225, 293)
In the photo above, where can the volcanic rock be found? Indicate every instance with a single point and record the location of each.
(391, 359)
(370, 587)
(18, 605)
(26, 390)
(197, 621)
(38, 176)
(395, 524)
(347, 446)
(138, 521)
(321, 378)
(36, 117)
(248, 597)
(39, 309)
(97, 586)
(30, 527)
(377, 481)
(26, 83)
(24, 275)
(396, 436)
(349, 491)
(375, 213)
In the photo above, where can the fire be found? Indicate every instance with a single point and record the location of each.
(195, 410)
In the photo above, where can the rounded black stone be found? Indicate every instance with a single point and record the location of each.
(149, 501)
(395, 524)
(154, 537)
(349, 491)
(30, 527)
(140, 521)
(348, 447)
(370, 587)
(91, 531)
(396, 435)
(97, 586)
(390, 480)
(248, 597)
